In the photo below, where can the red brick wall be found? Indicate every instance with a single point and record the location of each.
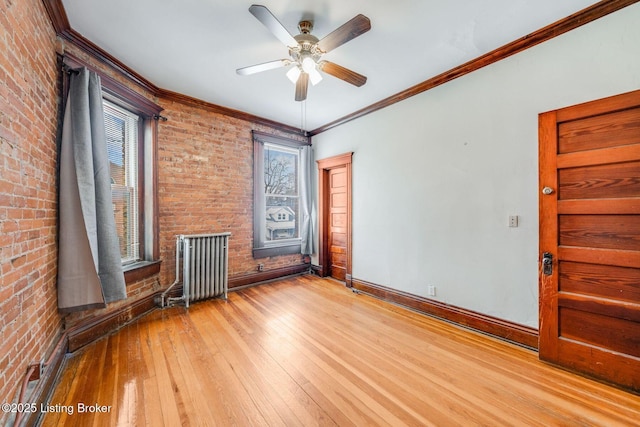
(205, 185)
(29, 320)
(205, 174)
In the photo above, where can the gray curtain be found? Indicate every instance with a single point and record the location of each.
(89, 262)
(307, 201)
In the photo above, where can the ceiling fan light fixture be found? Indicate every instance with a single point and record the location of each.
(293, 74)
(314, 76)
(308, 64)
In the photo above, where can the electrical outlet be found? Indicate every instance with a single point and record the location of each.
(431, 290)
(513, 220)
(260, 267)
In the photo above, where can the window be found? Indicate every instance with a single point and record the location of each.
(122, 129)
(131, 128)
(277, 187)
(281, 193)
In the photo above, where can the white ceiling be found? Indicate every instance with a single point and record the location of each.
(193, 47)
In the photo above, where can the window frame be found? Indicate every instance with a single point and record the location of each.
(288, 246)
(148, 113)
(139, 179)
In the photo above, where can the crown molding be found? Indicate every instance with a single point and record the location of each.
(57, 15)
(542, 35)
(214, 108)
(60, 22)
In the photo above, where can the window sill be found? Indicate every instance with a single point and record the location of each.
(140, 270)
(276, 251)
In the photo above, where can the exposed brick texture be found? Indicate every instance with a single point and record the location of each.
(205, 184)
(29, 320)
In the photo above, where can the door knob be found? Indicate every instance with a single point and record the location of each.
(547, 190)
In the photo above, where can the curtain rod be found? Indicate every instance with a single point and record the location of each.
(67, 69)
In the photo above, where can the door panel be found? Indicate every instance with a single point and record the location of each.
(600, 280)
(600, 231)
(338, 219)
(339, 178)
(590, 224)
(603, 130)
(338, 222)
(339, 199)
(595, 329)
(597, 182)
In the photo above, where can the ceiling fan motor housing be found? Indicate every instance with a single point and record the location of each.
(307, 44)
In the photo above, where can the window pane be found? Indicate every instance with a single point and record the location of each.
(121, 129)
(281, 193)
(280, 171)
(282, 218)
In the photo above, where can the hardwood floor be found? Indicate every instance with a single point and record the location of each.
(307, 351)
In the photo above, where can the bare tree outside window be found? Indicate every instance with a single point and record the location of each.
(280, 172)
(281, 166)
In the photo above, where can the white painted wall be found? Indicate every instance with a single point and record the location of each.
(435, 177)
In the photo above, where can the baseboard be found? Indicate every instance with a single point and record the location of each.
(96, 327)
(316, 269)
(263, 276)
(90, 330)
(519, 334)
(81, 335)
(43, 390)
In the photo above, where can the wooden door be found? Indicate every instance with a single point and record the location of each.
(590, 227)
(335, 217)
(337, 222)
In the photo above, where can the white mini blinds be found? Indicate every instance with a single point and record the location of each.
(122, 130)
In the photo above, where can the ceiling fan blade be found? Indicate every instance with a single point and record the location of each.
(301, 87)
(358, 25)
(252, 69)
(342, 73)
(271, 22)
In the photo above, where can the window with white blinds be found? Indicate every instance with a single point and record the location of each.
(122, 130)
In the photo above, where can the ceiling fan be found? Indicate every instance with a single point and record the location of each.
(306, 51)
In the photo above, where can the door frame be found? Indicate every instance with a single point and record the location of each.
(324, 166)
(547, 241)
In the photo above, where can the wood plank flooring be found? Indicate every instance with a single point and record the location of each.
(307, 351)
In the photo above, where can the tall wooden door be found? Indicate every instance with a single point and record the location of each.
(590, 238)
(337, 222)
(335, 217)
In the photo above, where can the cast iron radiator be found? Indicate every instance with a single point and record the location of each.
(205, 261)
